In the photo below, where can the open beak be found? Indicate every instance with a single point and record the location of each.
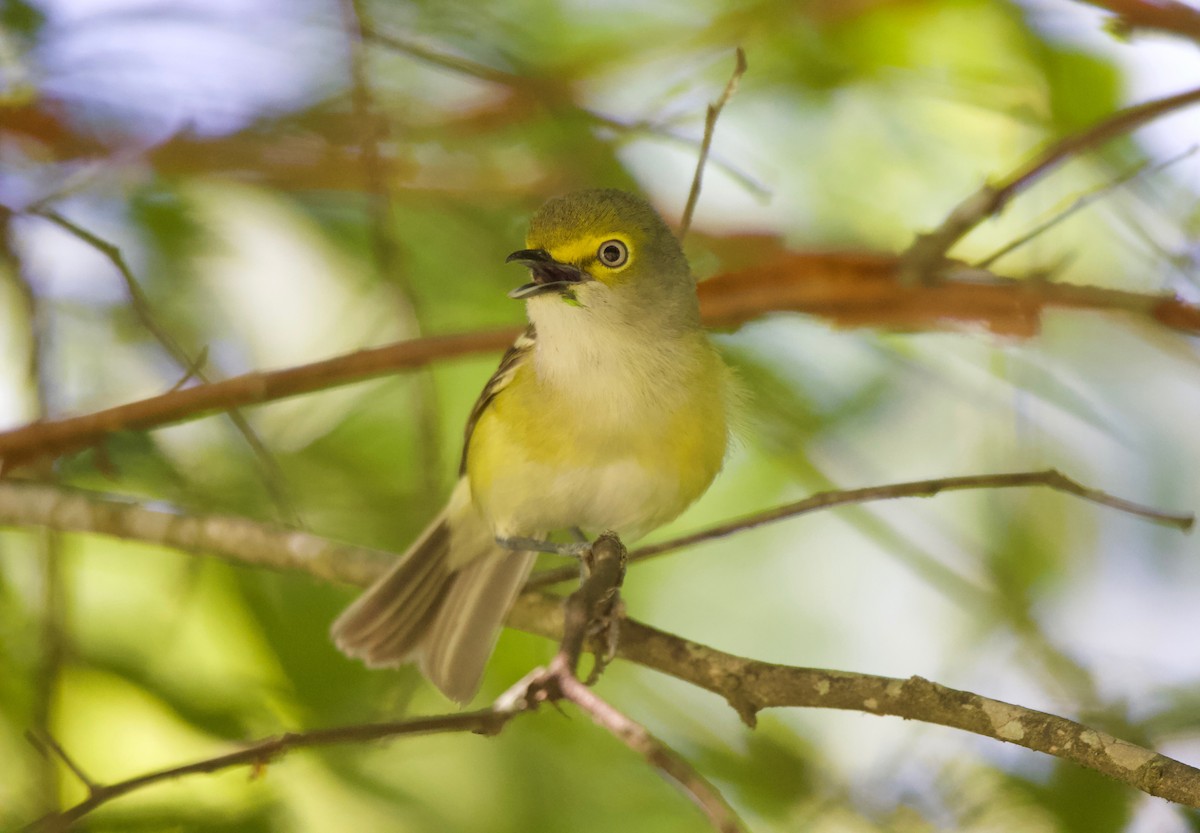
(548, 274)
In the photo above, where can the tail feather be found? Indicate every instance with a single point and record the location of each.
(467, 625)
(442, 604)
(384, 625)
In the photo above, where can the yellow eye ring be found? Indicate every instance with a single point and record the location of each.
(613, 253)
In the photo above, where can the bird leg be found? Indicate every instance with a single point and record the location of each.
(578, 550)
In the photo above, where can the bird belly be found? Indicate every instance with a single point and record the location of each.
(609, 449)
(623, 495)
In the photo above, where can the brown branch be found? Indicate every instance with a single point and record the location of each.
(1051, 479)
(660, 756)
(865, 289)
(710, 126)
(594, 607)
(21, 445)
(748, 685)
(1167, 16)
(849, 289)
(260, 753)
(591, 603)
(925, 258)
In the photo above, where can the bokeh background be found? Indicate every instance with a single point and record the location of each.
(275, 212)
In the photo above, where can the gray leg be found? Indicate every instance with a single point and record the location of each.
(574, 550)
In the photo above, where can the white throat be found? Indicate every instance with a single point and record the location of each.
(598, 355)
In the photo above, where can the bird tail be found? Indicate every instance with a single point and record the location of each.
(441, 605)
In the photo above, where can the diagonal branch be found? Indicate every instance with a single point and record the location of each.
(42, 439)
(259, 753)
(591, 610)
(926, 256)
(1051, 479)
(748, 685)
(591, 603)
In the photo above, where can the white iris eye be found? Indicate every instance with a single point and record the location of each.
(613, 253)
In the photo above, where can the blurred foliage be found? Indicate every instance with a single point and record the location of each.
(218, 145)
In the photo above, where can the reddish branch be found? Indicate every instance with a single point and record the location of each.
(865, 290)
(852, 290)
(849, 289)
(1153, 15)
(41, 439)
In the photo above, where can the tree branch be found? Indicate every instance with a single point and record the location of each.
(591, 603)
(591, 610)
(41, 439)
(1167, 16)
(710, 125)
(748, 685)
(850, 289)
(920, 488)
(260, 753)
(926, 257)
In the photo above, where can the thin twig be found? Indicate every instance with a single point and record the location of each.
(550, 93)
(710, 125)
(377, 176)
(51, 648)
(593, 607)
(44, 742)
(666, 760)
(192, 371)
(1082, 202)
(924, 258)
(189, 365)
(261, 752)
(920, 488)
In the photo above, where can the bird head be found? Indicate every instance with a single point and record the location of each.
(605, 251)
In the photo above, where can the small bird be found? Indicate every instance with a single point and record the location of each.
(608, 413)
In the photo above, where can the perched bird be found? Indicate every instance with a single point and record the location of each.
(609, 412)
